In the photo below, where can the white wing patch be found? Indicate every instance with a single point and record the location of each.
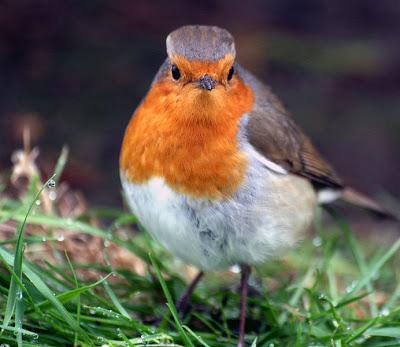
(269, 164)
(325, 196)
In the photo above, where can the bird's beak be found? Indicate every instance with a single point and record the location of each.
(206, 82)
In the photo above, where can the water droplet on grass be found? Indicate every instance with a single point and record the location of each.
(351, 287)
(376, 275)
(317, 241)
(51, 183)
(235, 269)
(60, 238)
(37, 202)
(384, 312)
(52, 195)
(19, 295)
(34, 339)
(101, 339)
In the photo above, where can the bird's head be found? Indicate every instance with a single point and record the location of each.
(199, 74)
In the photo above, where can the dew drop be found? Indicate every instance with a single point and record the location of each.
(51, 183)
(106, 243)
(44, 238)
(376, 275)
(317, 241)
(101, 339)
(384, 312)
(235, 269)
(351, 287)
(52, 195)
(34, 339)
(37, 202)
(60, 238)
(19, 295)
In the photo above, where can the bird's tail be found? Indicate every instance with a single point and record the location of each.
(353, 197)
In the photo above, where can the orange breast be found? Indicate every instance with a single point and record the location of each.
(189, 138)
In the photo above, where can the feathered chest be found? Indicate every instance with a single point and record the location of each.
(192, 146)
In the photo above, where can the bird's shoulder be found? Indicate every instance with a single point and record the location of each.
(275, 135)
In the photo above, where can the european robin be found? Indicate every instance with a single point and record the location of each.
(215, 168)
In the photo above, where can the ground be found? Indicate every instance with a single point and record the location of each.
(74, 275)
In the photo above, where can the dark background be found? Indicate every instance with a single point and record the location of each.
(75, 71)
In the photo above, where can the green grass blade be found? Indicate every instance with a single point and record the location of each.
(62, 160)
(358, 332)
(171, 304)
(393, 332)
(19, 316)
(115, 300)
(17, 264)
(23, 331)
(197, 337)
(71, 294)
(298, 292)
(374, 269)
(254, 344)
(360, 259)
(46, 292)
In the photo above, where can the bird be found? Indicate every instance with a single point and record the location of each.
(216, 169)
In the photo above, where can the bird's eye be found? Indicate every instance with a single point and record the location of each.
(230, 73)
(176, 74)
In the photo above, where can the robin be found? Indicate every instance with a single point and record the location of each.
(215, 168)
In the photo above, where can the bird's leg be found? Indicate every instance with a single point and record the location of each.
(244, 288)
(183, 301)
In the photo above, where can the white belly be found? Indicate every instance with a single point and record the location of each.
(267, 216)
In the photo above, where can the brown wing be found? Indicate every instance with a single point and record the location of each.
(275, 135)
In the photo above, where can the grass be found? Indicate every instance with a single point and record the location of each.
(333, 290)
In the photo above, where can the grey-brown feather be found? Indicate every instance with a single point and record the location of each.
(275, 135)
(200, 42)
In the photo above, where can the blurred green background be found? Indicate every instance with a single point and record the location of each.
(75, 71)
